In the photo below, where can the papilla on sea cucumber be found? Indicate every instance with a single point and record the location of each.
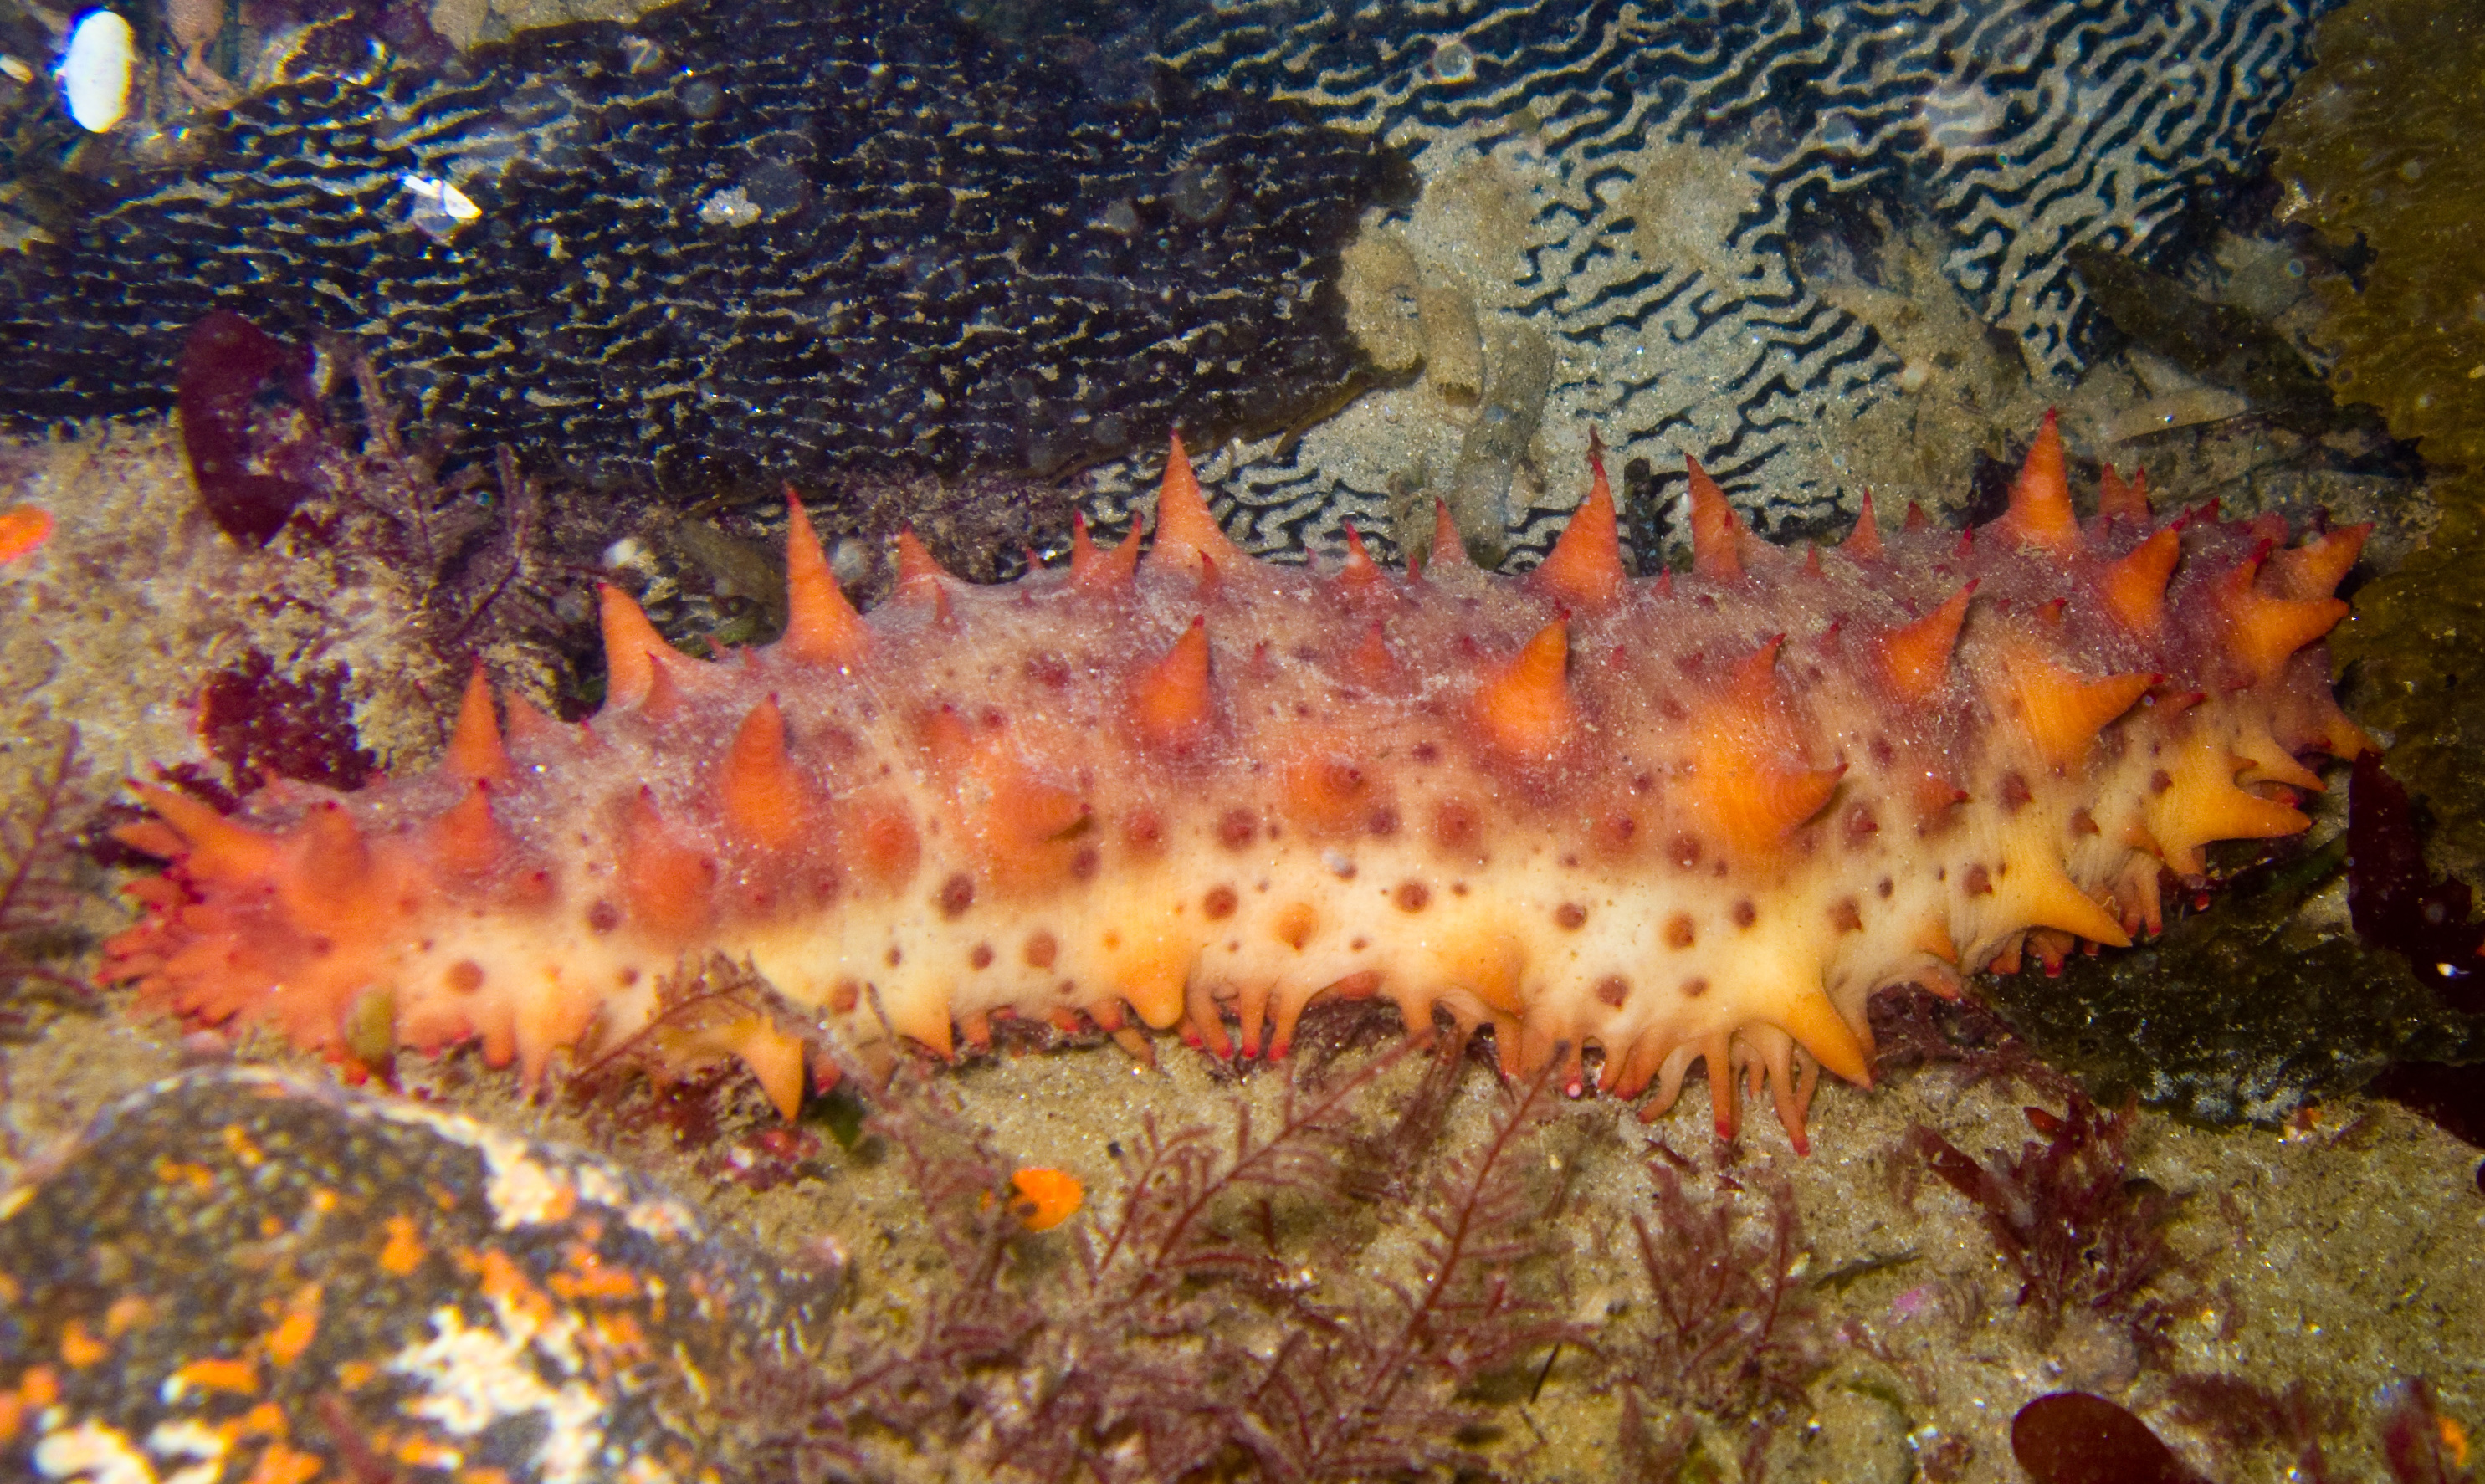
(1635, 826)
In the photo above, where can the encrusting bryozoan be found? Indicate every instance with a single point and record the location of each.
(1693, 820)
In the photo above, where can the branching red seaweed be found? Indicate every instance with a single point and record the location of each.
(1727, 1331)
(2082, 1234)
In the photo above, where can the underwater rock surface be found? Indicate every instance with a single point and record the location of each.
(732, 243)
(246, 1272)
(740, 241)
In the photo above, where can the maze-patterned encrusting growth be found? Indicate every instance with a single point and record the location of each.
(739, 239)
(1643, 824)
(1657, 188)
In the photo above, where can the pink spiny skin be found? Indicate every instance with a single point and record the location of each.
(1639, 824)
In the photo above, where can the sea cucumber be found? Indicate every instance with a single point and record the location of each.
(1698, 819)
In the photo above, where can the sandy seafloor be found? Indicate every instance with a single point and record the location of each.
(2345, 1250)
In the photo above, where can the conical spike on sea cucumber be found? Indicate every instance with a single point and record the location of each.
(2263, 630)
(2317, 568)
(1863, 543)
(667, 885)
(2035, 893)
(2133, 588)
(2118, 500)
(2061, 714)
(1187, 532)
(2040, 498)
(821, 627)
(1585, 566)
(474, 748)
(467, 841)
(1171, 703)
(1716, 533)
(1916, 658)
(1754, 682)
(633, 649)
(1360, 573)
(218, 848)
(762, 796)
(1095, 571)
(918, 576)
(663, 700)
(1448, 549)
(1524, 709)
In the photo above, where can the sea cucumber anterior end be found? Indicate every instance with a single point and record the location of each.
(1691, 821)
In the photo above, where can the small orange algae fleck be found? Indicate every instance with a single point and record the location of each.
(218, 1374)
(23, 529)
(79, 1348)
(1044, 1198)
(404, 1250)
(300, 1325)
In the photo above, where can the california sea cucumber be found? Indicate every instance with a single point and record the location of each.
(1693, 820)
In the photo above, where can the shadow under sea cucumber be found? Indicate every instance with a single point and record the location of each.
(1654, 824)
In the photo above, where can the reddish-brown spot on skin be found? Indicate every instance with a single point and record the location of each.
(1086, 862)
(1745, 913)
(1413, 896)
(1684, 853)
(465, 976)
(1694, 988)
(1614, 835)
(2083, 823)
(845, 997)
(1848, 916)
(1680, 931)
(982, 957)
(1143, 832)
(1296, 924)
(1426, 753)
(1569, 916)
(1040, 950)
(2160, 781)
(602, 917)
(1237, 829)
(1048, 669)
(886, 842)
(1219, 902)
(1977, 882)
(1860, 826)
(1382, 824)
(2014, 792)
(1457, 829)
(1613, 989)
(957, 895)
(894, 956)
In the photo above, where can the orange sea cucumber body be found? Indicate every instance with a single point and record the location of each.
(1692, 821)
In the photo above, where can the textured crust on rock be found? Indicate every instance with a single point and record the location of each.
(1693, 821)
